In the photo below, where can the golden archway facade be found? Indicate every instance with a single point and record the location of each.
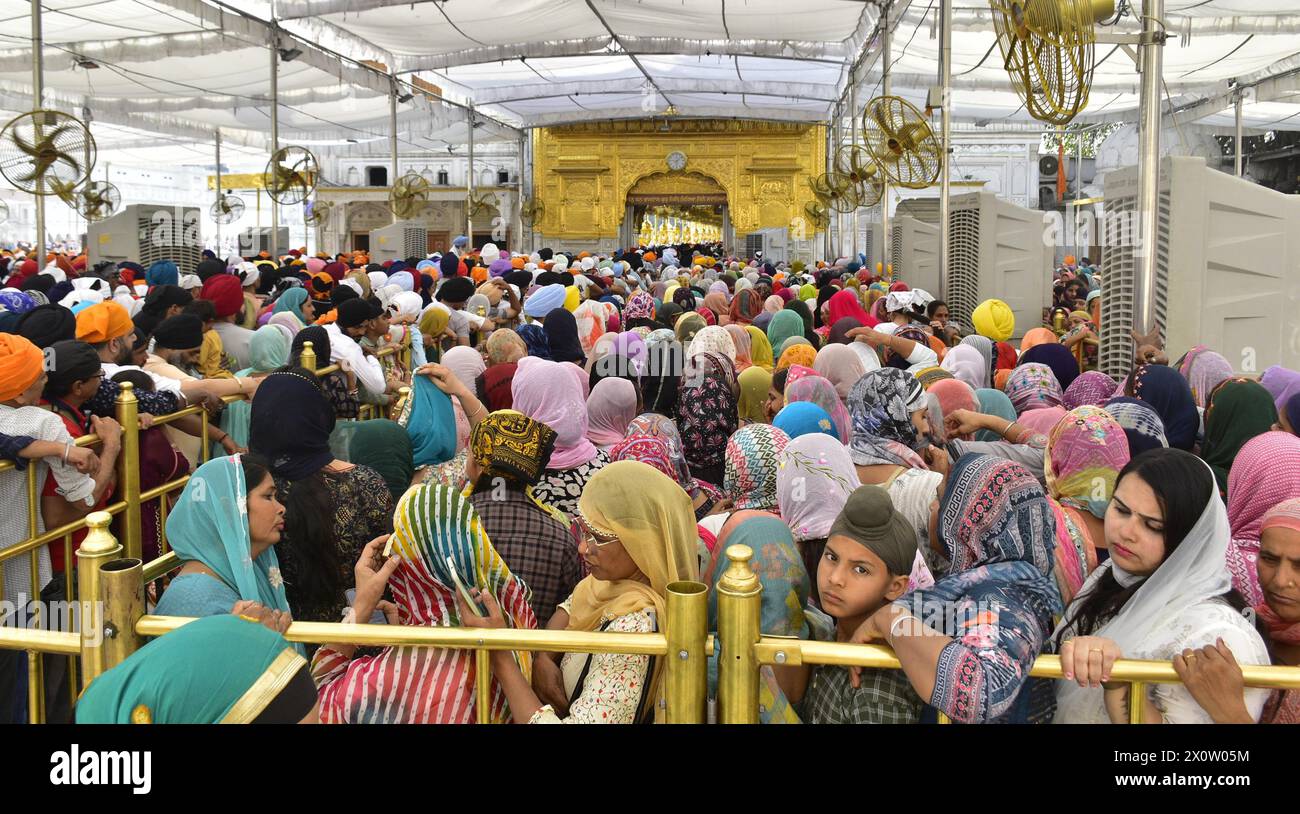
(588, 174)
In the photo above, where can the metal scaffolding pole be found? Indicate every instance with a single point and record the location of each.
(469, 197)
(830, 167)
(220, 253)
(1236, 112)
(518, 240)
(275, 137)
(887, 89)
(38, 93)
(853, 140)
(1151, 64)
(392, 138)
(945, 138)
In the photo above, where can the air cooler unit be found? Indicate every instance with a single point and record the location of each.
(146, 233)
(915, 253)
(870, 238)
(777, 245)
(257, 239)
(399, 241)
(998, 250)
(1225, 250)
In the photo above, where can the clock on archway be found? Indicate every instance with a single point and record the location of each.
(676, 161)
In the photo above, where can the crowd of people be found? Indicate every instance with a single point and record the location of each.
(575, 433)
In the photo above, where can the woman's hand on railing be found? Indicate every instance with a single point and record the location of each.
(276, 620)
(146, 420)
(1214, 679)
(231, 448)
(469, 617)
(1089, 659)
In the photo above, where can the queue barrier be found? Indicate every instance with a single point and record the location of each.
(129, 507)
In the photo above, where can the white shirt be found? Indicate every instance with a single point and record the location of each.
(344, 348)
(160, 383)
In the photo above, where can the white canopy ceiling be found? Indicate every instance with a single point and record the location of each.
(178, 69)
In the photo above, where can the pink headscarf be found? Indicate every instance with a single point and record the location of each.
(315, 265)
(740, 338)
(773, 304)
(1041, 420)
(842, 365)
(591, 318)
(610, 408)
(953, 395)
(466, 363)
(545, 391)
(1265, 473)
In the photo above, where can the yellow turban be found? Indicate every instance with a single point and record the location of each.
(994, 319)
(21, 364)
(434, 321)
(572, 298)
(103, 322)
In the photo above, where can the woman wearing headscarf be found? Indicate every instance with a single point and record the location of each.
(797, 351)
(1032, 387)
(638, 537)
(590, 321)
(1204, 370)
(1169, 395)
(986, 350)
(846, 304)
(220, 669)
(760, 348)
(1237, 411)
(653, 439)
(1265, 473)
(297, 304)
(1141, 423)
(1035, 337)
(966, 364)
(745, 306)
(434, 528)
(809, 332)
(754, 384)
(384, 446)
(712, 339)
(405, 313)
(784, 325)
(819, 390)
(741, 340)
(1092, 388)
(995, 527)
(1164, 590)
(786, 586)
(687, 327)
(268, 350)
(814, 478)
(1282, 383)
(547, 392)
(751, 461)
(707, 410)
(562, 337)
(1085, 453)
(716, 301)
(954, 395)
(993, 403)
(612, 405)
(224, 529)
(841, 366)
(333, 508)
(1057, 357)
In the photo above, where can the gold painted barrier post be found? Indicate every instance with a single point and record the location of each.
(122, 586)
(308, 357)
(686, 673)
(739, 600)
(98, 548)
(128, 468)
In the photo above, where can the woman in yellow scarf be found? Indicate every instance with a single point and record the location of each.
(638, 537)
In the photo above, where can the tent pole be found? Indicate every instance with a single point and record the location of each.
(1151, 59)
(275, 137)
(392, 138)
(853, 140)
(1236, 112)
(469, 197)
(887, 89)
(38, 101)
(945, 139)
(518, 239)
(218, 157)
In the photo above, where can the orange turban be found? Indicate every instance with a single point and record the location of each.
(649, 257)
(518, 263)
(21, 364)
(104, 322)
(479, 275)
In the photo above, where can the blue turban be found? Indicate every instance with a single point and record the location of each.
(545, 300)
(162, 272)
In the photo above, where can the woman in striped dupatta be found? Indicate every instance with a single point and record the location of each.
(432, 523)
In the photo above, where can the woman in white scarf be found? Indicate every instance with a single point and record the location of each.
(1165, 589)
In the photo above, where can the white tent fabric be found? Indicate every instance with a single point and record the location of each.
(179, 69)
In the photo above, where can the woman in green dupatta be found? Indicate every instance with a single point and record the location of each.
(219, 669)
(224, 530)
(1236, 411)
(268, 350)
(786, 586)
(384, 446)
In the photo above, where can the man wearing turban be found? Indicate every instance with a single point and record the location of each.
(226, 292)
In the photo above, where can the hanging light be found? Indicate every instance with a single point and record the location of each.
(354, 176)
